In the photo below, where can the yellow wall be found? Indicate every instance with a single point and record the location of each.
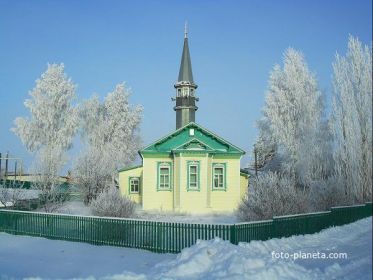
(227, 201)
(177, 179)
(180, 198)
(244, 184)
(124, 183)
(207, 200)
(193, 201)
(154, 199)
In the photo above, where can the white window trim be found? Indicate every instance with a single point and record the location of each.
(186, 92)
(138, 184)
(223, 187)
(190, 173)
(168, 175)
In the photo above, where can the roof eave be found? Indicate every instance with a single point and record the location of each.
(129, 168)
(239, 151)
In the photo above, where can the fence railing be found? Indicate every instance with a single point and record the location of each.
(167, 236)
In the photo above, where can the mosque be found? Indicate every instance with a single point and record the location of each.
(190, 170)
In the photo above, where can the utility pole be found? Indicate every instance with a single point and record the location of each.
(15, 171)
(6, 165)
(18, 167)
(256, 161)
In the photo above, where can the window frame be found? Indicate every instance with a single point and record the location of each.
(185, 92)
(195, 163)
(130, 179)
(224, 174)
(164, 165)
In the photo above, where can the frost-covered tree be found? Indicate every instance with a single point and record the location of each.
(53, 121)
(351, 121)
(45, 169)
(91, 174)
(110, 132)
(110, 203)
(293, 121)
(327, 193)
(293, 145)
(113, 126)
(272, 194)
(265, 148)
(49, 131)
(10, 193)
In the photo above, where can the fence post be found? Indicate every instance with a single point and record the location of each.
(233, 238)
(275, 229)
(16, 225)
(368, 207)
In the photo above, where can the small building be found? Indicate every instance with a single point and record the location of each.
(190, 170)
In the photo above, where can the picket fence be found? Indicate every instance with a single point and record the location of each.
(168, 236)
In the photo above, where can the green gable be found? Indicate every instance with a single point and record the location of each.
(192, 138)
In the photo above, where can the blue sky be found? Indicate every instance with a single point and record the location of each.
(233, 44)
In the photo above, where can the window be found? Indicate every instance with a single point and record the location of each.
(134, 185)
(164, 176)
(218, 179)
(193, 176)
(186, 92)
(178, 92)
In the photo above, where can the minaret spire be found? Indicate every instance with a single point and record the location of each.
(185, 72)
(185, 88)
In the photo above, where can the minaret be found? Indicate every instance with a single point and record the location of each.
(185, 89)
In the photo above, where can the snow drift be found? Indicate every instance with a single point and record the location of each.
(212, 259)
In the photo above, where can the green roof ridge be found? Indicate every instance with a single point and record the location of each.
(151, 147)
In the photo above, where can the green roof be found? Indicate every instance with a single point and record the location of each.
(244, 172)
(129, 168)
(200, 141)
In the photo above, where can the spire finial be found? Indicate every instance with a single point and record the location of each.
(186, 30)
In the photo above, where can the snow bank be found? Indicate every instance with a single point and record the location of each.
(19, 194)
(165, 216)
(219, 259)
(33, 257)
(213, 259)
(75, 207)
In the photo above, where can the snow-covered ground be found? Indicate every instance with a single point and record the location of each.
(22, 257)
(77, 207)
(20, 194)
(217, 218)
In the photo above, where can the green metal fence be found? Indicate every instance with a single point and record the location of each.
(166, 236)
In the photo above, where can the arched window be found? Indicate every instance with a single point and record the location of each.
(186, 92)
(192, 92)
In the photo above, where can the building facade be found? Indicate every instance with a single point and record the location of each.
(190, 170)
